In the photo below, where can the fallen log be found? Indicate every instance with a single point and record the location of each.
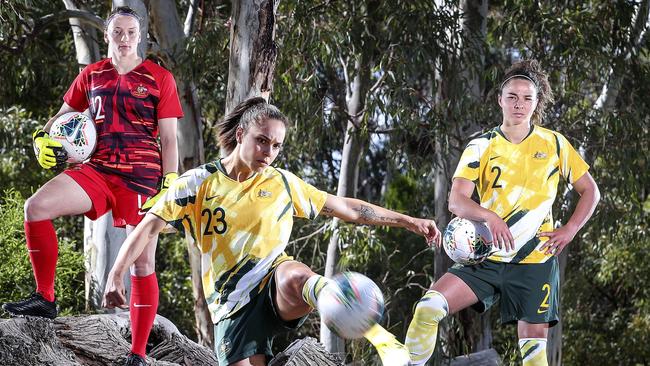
(103, 340)
(305, 352)
(94, 340)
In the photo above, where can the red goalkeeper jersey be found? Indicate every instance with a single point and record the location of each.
(126, 109)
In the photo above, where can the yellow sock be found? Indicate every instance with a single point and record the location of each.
(312, 288)
(423, 330)
(391, 352)
(533, 351)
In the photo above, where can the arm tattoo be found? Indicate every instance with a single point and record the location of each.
(326, 210)
(369, 216)
(367, 213)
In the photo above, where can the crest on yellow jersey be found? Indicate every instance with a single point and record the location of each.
(539, 155)
(263, 194)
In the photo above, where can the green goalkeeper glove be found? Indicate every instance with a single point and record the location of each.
(49, 153)
(167, 181)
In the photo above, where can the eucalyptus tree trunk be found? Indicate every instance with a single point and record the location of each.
(478, 330)
(460, 82)
(354, 145)
(85, 38)
(171, 36)
(253, 50)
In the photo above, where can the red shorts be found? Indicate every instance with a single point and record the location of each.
(106, 196)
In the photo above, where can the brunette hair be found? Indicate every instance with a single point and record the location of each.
(253, 110)
(531, 70)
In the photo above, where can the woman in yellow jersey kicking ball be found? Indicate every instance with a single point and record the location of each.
(239, 212)
(516, 168)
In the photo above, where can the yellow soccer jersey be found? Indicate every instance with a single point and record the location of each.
(519, 183)
(241, 228)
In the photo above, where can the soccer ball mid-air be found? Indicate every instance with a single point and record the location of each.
(467, 241)
(76, 132)
(350, 305)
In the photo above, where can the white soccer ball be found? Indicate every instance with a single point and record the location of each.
(76, 132)
(350, 305)
(467, 241)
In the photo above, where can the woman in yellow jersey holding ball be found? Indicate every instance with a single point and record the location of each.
(516, 168)
(239, 212)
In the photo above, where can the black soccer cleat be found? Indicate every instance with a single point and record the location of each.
(135, 360)
(35, 305)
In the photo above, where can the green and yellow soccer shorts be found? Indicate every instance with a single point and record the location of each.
(251, 330)
(528, 292)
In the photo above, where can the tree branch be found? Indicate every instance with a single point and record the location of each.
(640, 22)
(320, 230)
(83, 15)
(319, 6)
(346, 76)
(189, 18)
(385, 73)
(17, 44)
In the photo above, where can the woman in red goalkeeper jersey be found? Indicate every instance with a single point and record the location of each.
(238, 211)
(515, 168)
(132, 102)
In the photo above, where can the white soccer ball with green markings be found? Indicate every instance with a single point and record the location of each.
(467, 241)
(350, 305)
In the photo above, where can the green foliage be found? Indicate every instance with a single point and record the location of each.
(16, 281)
(37, 54)
(611, 254)
(20, 171)
(17, 152)
(397, 43)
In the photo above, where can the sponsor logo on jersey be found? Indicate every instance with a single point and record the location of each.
(208, 198)
(539, 155)
(140, 91)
